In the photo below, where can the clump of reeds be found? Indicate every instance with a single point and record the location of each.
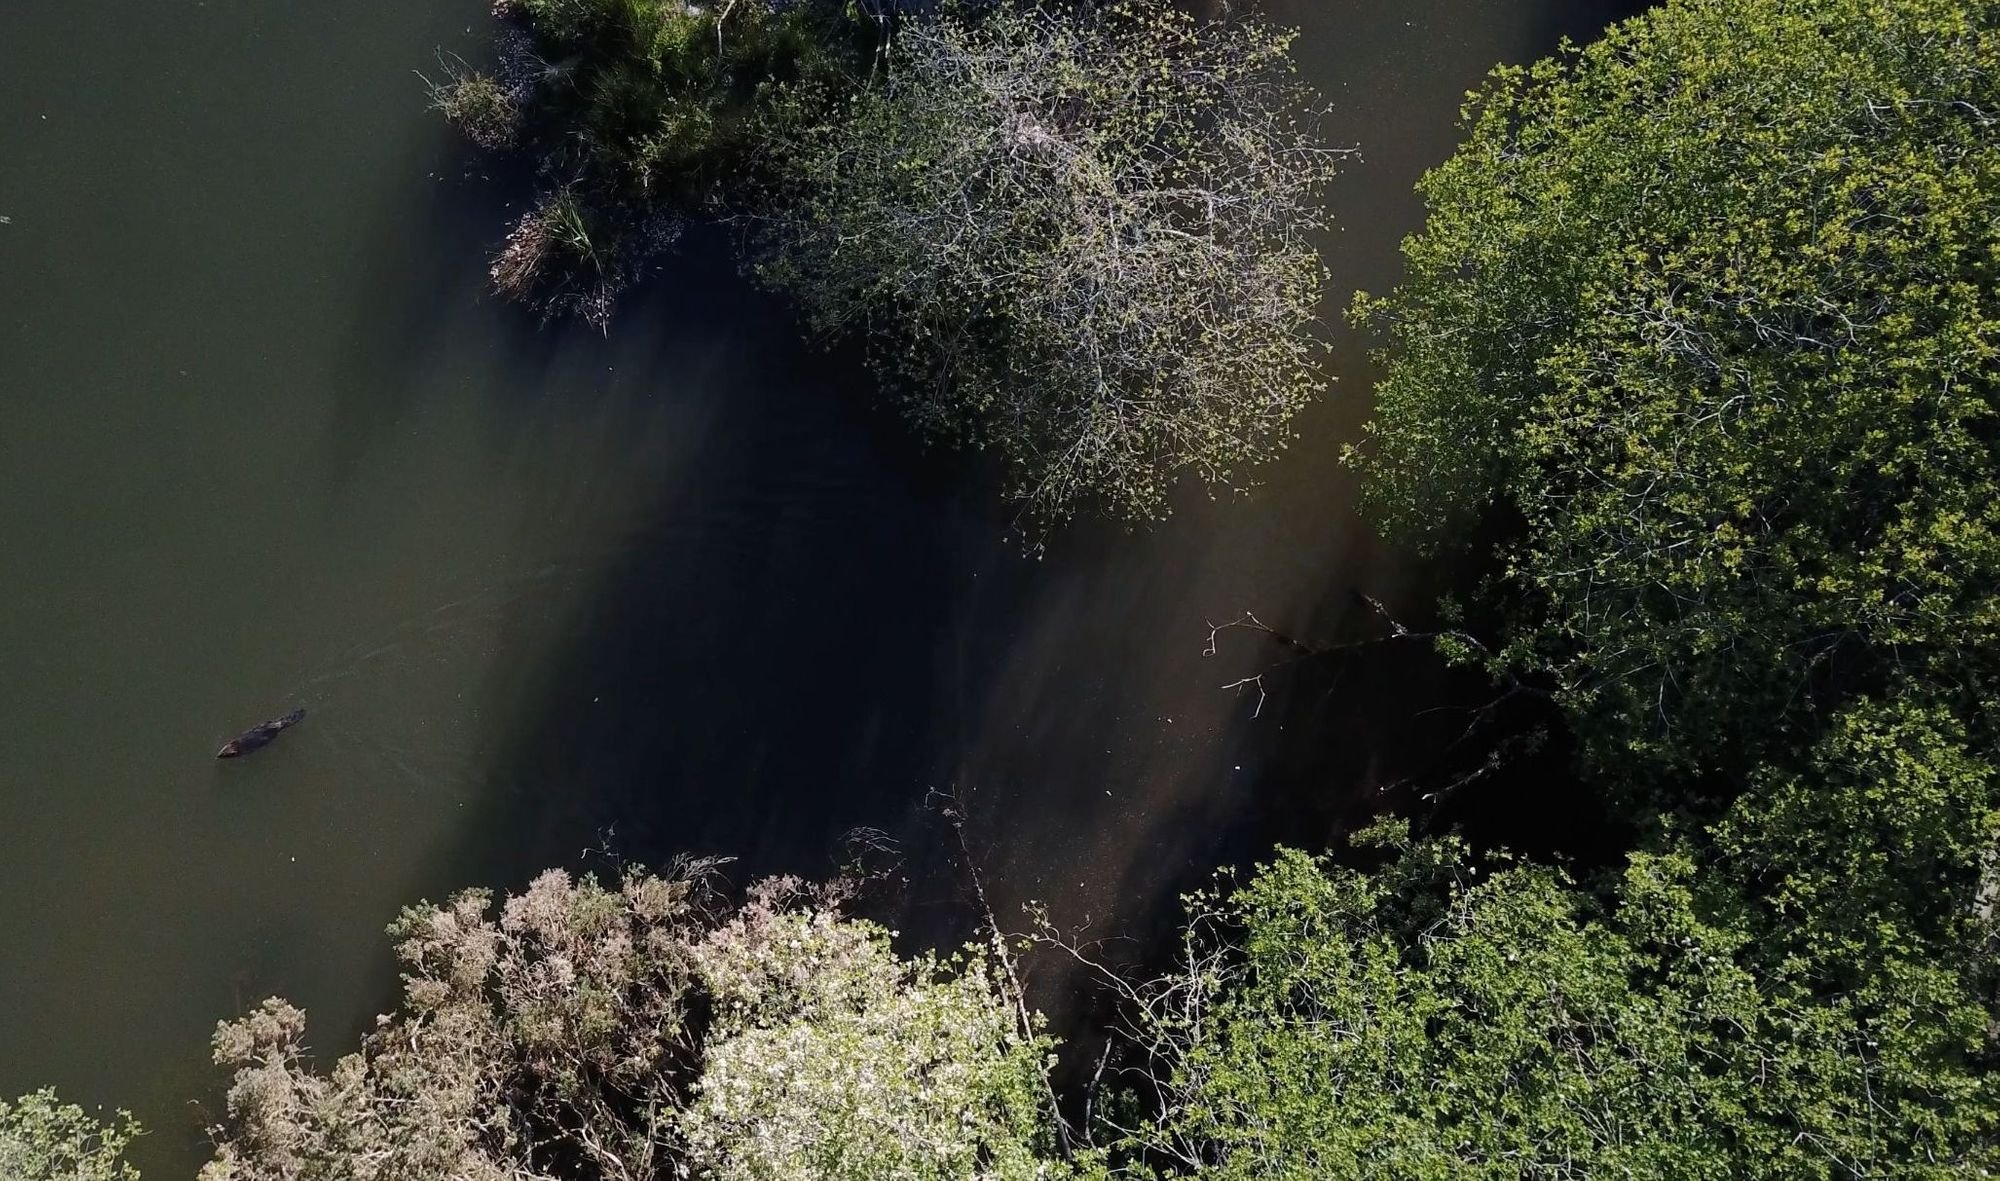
(538, 244)
(488, 112)
(553, 260)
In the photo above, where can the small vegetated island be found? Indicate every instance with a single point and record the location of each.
(1704, 323)
(1077, 235)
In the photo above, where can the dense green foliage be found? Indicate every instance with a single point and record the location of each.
(660, 98)
(1707, 313)
(44, 1139)
(1079, 237)
(1437, 1019)
(1713, 305)
(650, 1032)
(1803, 990)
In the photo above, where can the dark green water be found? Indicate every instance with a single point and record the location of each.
(267, 443)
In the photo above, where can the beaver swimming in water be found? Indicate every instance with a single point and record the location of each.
(259, 736)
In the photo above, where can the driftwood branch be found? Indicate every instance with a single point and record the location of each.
(1480, 719)
(950, 805)
(1301, 650)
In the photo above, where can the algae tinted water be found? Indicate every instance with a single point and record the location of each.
(268, 445)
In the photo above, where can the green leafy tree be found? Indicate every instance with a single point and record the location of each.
(44, 1139)
(649, 1032)
(1077, 236)
(1879, 848)
(1707, 311)
(1448, 1017)
(1712, 308)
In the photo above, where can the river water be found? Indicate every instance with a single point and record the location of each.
(545, 594)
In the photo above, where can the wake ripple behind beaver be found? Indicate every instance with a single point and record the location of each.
(259, 736)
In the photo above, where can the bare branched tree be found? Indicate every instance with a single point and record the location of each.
(1082, 241)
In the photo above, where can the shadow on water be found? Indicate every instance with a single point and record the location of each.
(755, 668)
(1584, 21)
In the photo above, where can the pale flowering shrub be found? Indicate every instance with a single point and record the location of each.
(551, 1041)
(830, 1057)
(647, 1033)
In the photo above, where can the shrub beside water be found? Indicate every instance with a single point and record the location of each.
(650, 1031)
(45, 1139)
(1079, 238)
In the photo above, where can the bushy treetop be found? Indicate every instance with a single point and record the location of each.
(648, 1032)
(45, 1139)
(1713, 305)
(1080, 236)
(1449, 1017)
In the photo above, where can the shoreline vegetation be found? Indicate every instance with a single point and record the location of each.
(1076, 235)
(1704, 317)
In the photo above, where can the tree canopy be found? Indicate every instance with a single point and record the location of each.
(1446, 1016)
(45, 1139)
(1712, 307)
(1078, 236)
(1705, 315)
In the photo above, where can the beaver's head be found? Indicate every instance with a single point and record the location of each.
(230, 749)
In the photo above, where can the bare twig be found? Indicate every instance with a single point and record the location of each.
(1480, 718)
(955, 813)
(1245, 683)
